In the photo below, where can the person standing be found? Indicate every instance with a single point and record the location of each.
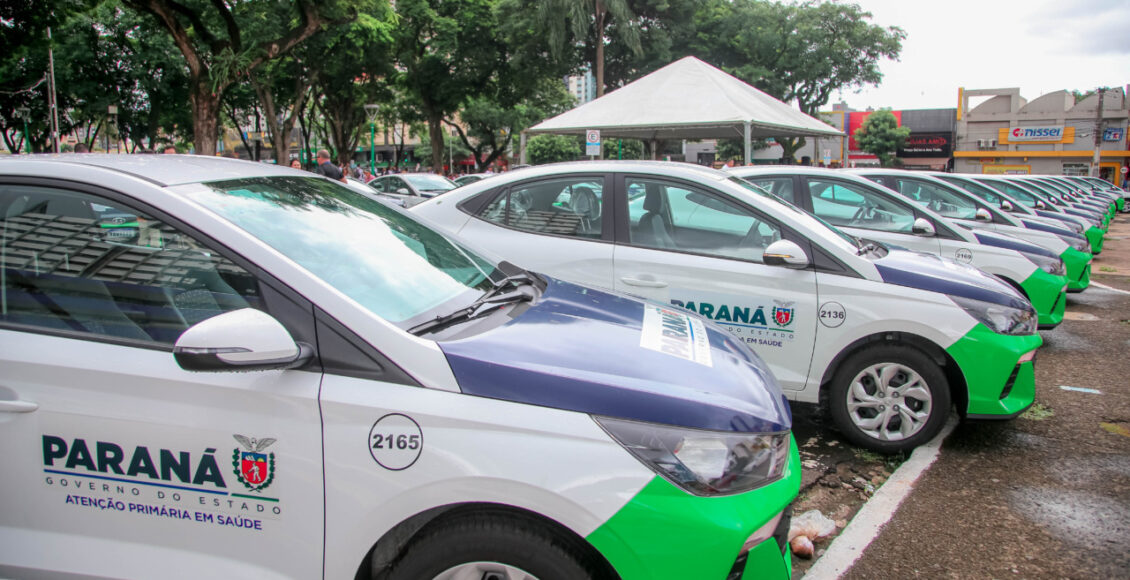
(326, 167)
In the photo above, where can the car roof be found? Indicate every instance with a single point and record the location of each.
(163, 170)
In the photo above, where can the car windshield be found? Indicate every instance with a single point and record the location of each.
(388, 263)
(429, 182)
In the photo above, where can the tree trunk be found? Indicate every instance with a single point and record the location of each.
(789, 147)
(205, 118)
(435, 132)
(599, 49)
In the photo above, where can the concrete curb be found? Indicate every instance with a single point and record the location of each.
(865, 526)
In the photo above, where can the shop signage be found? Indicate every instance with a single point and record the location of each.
(1113, 134)
(927, 145)
(1042, 133)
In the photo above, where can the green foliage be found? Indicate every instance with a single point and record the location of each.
(881, 136)
(542, 149)
(734, 149)
(622, 149)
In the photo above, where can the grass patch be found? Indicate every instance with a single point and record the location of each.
(1037, 412)
(1107, 269)
(890, 462)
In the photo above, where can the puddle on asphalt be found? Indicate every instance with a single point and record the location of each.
(1098, 523)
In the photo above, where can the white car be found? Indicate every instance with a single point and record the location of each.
(870, 211)
(256, 372)
(409, 189)
(970, 211)
(887, 339)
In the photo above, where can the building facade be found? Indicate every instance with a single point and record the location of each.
(1052, 134)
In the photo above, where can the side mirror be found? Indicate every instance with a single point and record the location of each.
(241, 340)
(785, 253)
(984, 215)
(1006, 205)
(1040, 205)
(923, 227)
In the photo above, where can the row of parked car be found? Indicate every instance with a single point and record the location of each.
(578, 370)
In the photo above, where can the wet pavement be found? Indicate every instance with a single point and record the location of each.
(1046, 495)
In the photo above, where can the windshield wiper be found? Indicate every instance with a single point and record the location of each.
(868, 246)
(511, 289)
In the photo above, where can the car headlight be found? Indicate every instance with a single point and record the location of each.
(1053, 266)
(704, 462)
(998, 317)
(1080, 244)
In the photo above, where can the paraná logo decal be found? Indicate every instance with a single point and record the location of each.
(254, 469)
(783, 313)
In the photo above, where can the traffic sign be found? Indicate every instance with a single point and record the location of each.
(592, 142)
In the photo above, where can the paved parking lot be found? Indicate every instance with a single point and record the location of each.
(1046, 495)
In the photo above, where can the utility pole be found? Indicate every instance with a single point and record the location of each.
(1095, 159)
(52, 103)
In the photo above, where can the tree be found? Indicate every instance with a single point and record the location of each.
(564, 23)
(798, 53)
(881, 136)
(354, 66)
(553, 148)
(216, 62)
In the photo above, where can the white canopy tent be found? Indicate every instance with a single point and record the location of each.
(687, 99)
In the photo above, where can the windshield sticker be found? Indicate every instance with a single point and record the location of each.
(832, 314)
(752, 320)
(396, 441)
(963, 255)
(153, 482)
(676, 334)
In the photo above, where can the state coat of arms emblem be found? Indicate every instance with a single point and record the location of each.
(254, 468)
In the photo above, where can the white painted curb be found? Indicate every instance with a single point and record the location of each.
(865, 526)
(1105, 287)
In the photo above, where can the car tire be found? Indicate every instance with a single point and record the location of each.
(889, 398)
(489, 546)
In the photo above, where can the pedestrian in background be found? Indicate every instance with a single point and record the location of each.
(326, 167)
(170, 149)
(296, 163)
(82, 148)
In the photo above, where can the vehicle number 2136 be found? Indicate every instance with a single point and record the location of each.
(832, 314)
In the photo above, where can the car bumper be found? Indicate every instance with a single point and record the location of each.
(1047, 293)
(999, 371)
(1095, 236)
(1078, 266)
(665, 532)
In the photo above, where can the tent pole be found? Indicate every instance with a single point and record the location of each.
(747, 143)
(522, 148)
(655, 149)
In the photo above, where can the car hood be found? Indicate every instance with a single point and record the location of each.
(591, 351)
(1008, 242)
(932, 273)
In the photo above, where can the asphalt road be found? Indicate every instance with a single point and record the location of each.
(1046, 495)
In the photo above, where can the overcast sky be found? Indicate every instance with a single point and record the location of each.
(1037, 45)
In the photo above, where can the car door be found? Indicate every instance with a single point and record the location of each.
(118, 463)
(695, 248)
(561, 226)
(863, 212)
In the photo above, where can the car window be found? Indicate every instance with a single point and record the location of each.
(977, 189)
(781, 187)
(938, 199)
(562, 207)
(851, 205)
(679, 217)
(77, 262)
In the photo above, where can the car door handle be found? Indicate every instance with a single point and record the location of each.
(644, 283)
(18, 406)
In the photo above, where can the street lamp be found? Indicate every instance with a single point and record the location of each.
(371, 111)
(25, 114)
(112, 113)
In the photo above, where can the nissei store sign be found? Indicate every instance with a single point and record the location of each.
(1048, 133)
